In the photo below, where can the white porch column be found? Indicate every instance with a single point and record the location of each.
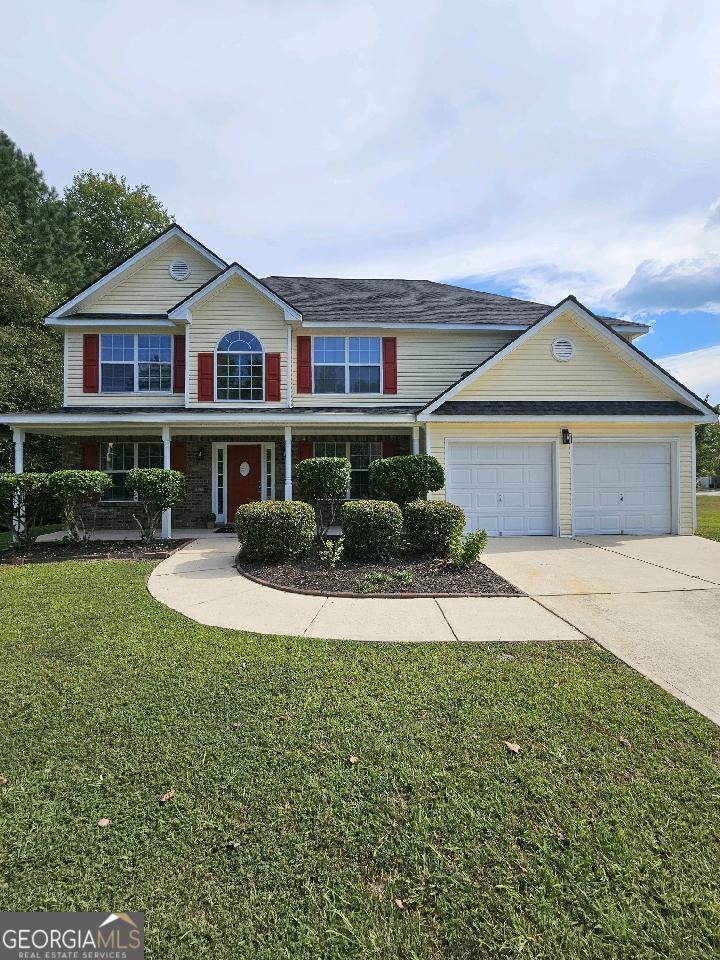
(19, 441)
(167, 514)
(428, 442)
(416, 440)
(288, 463)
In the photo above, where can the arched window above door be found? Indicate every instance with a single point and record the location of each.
(239, 367)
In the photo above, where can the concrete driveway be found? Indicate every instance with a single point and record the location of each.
(652, 601)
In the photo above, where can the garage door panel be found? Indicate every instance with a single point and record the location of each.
(622, 488)
(507, 490)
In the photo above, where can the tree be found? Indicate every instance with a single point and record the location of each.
(157, 490)
(707, 448)
(324, 481)
(113, 218)
(39, 238)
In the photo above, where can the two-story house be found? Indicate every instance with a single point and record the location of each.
(548, 420)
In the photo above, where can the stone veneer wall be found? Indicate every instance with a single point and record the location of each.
(198, 501)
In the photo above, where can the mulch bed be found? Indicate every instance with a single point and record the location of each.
(428, 577)
(57, 551)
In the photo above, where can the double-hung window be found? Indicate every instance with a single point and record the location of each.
(360, 453)
(347, 365)
(117, 458)
(135, 363)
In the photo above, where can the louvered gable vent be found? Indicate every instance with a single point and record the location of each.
(563, 349)
(179, 269)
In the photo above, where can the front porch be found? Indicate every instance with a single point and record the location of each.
(222, 470)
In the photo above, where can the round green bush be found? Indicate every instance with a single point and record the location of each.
(323, 478)
(274, 529)
(432, 526)
(371, 529)
(404, 479)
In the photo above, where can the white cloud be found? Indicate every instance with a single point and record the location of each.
(561, 143)
(699, 370)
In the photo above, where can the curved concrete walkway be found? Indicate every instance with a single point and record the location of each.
(652, 601)
(201, 581)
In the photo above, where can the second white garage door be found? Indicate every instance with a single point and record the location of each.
(622, 488)
(504, 488)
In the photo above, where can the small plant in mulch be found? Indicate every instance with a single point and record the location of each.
(376, 581)
(331, 551)
(465, 551)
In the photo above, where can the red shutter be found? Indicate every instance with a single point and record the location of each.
(178, 456)
(179, 363)
(91, 363)
(389, 358)
(272, 376)
(304, 364)
(390, 448)
(90, 456)
(305, 448)
(206, 376)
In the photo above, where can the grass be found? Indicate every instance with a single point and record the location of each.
(599, 839)
(6, 536)
(708, 517)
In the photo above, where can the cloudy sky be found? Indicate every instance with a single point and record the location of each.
(525, 147)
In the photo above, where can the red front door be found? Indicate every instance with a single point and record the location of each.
(244, 476)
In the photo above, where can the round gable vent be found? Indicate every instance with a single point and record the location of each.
(563, 349)
(179, 269)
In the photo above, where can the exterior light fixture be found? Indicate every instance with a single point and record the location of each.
(200, 454)
(566, 435)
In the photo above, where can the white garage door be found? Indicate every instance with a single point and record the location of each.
(621, 488)
(504, 488)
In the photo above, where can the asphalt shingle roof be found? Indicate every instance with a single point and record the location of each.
(549, 408)
(402, 301)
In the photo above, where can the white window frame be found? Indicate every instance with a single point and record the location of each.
(347, 454)
(136, 367)
(135, 445)
(267, 479)
(260, 353)
(347, 365)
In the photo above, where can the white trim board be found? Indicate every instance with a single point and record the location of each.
(173, 232)
(584, 315)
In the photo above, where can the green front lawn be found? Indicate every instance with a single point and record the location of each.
(708, 517)
(600, 839)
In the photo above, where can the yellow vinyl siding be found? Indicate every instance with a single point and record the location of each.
(236, 306)
(74, 374)
(148, 287)
(599, 370)
(428, 362)
(679, 434)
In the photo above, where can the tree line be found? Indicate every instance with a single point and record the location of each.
(51, 246)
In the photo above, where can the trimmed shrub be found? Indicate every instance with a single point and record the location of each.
(371, 529)
(433, 525)
(157, 490)
(72, 489)
(274, 529)
(467, 550)
(403, 479)
(25, 504)
(323, 481)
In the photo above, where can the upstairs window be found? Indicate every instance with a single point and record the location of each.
(239, 367)
(131, 363)
(347, 365)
